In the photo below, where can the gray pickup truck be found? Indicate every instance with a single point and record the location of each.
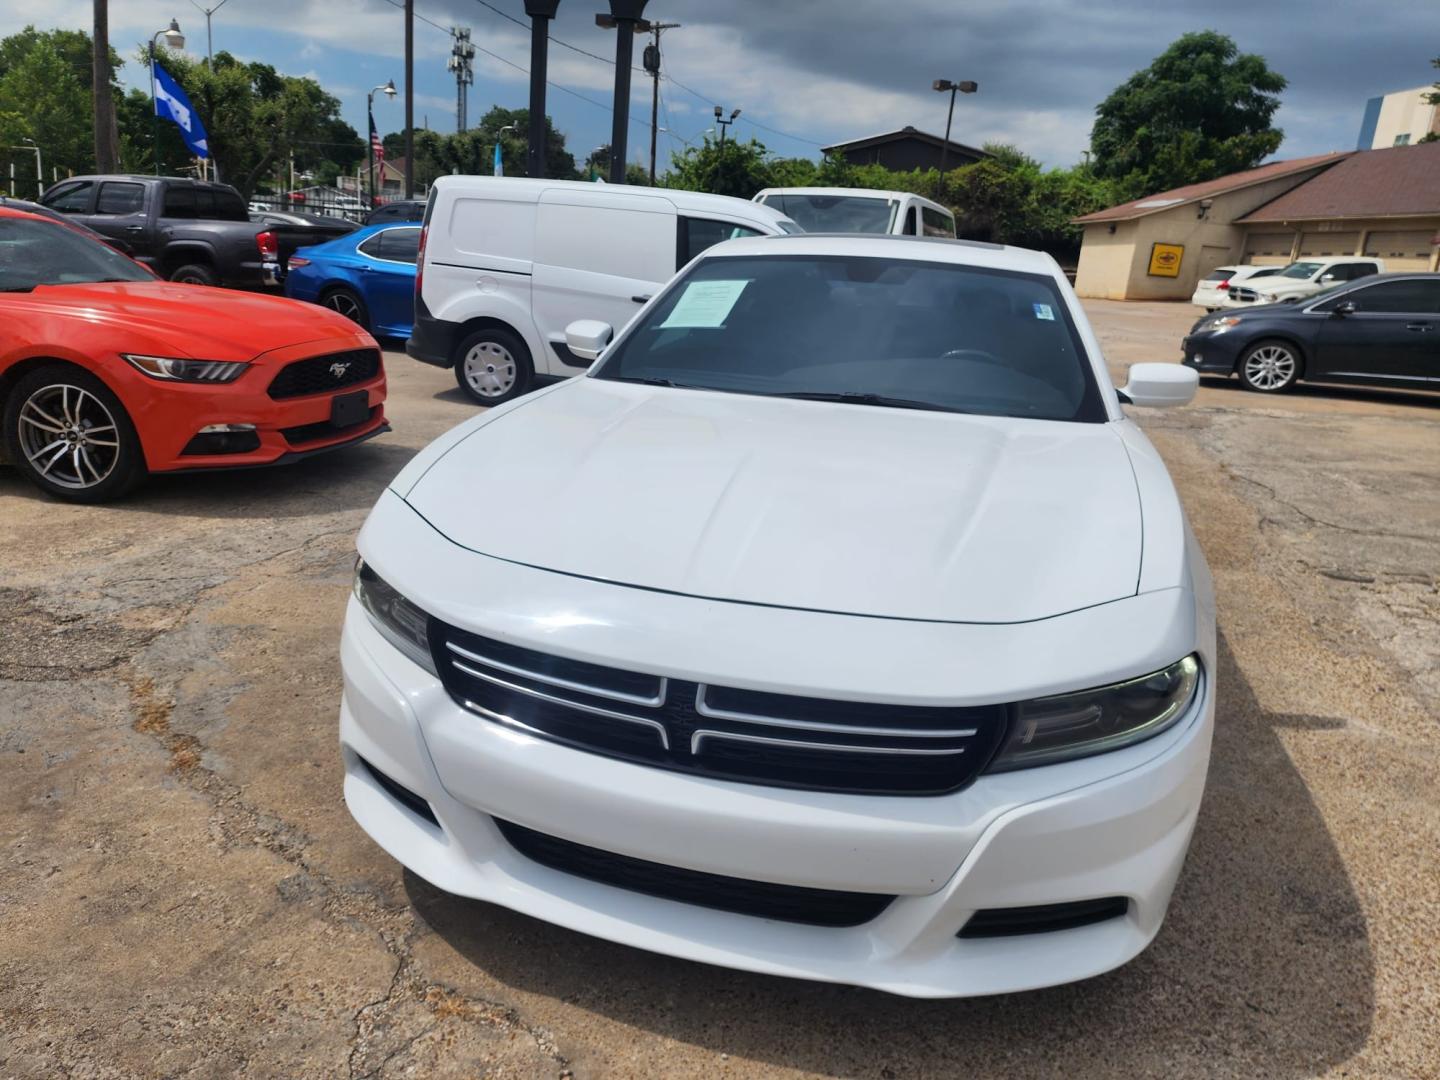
(186, 230)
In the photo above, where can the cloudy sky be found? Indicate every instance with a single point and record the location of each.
(811, 72)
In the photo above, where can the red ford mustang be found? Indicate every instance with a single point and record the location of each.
(107, 373)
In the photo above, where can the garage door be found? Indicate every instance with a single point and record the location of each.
(1323, 244)
(1268, 249)
(1408, 250)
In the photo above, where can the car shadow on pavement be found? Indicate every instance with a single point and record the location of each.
(1324, 391)
(1263, 966)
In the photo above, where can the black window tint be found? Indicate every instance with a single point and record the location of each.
(400, 245)
(1219, 275)
(120, 199)
(71, 199)
(205, 203)
(179, 202)
(229, 206)
(910, 222)
(1417, 296)
(371, 245)
(936, 223)
(702, 233)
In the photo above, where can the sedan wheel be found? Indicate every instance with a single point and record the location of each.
(345, 302)
(1270, 367)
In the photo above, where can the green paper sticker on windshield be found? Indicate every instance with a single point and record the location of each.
(704, 305)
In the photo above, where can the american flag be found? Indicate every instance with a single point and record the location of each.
(375, 144)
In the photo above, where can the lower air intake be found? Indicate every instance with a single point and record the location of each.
(1043, 918)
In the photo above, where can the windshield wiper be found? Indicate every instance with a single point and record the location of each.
(851, 397)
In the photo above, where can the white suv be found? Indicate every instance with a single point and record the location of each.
(506, 263)
(1300, 280)
(1210, 294)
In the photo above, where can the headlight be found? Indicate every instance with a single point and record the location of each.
(1219, 324)
(173, 370)
(399, 621)
(1069, 726)
(1270, 297)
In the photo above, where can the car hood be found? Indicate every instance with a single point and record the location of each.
(801, 504)
(191, 320)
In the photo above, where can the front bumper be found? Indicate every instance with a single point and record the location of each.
(1213, 354)
(1117, 824)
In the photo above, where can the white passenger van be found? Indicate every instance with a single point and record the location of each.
(860, 210)
(507, 263)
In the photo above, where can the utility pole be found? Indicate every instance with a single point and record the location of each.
(651, 60)
(409, 99)
(106, 142)
(540, 12)
(462, 63)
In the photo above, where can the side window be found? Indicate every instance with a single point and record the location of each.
(204, 203)
(400, 245)
(120, 199)
(371, 245)
(179, 203)
(70, 199)
(702, 233)
(910, 222)
(936, 223)
(1416, 296)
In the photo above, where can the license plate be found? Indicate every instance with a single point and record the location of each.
(347, 410)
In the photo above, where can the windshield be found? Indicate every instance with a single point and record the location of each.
(836, 213)
(865, 331)
(43, 253)
(1300, 270)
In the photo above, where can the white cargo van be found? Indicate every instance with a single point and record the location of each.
(860, 210)
(507, 263)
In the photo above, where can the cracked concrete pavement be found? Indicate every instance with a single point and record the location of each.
(184, 894)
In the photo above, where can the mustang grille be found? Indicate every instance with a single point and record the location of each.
(782, 740)
(790, 903)
(320, 374)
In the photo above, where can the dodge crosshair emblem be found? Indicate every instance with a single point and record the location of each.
(339, 369)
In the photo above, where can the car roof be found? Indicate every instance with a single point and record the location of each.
(681, 199)
(879, 246)
(868, 193)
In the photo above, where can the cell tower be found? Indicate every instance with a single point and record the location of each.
(462, 63)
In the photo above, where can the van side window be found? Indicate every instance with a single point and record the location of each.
(697, 234)
(937, 223)
(910, 222)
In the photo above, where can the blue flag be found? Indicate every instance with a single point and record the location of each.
(499, 163)
(172, 104)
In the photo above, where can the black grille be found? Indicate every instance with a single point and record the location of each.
(780, 740)
(401, 794)
(788, 903)
(320, 374)
(1043, 918)
(1249, 296)
(324, 429)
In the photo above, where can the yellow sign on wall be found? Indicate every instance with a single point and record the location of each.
(1165, 259)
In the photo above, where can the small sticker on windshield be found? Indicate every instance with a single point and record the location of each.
(1044, 311)
(704, 305)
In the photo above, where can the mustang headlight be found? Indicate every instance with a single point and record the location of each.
(174, 370)
(1069, 726)
(399, 621)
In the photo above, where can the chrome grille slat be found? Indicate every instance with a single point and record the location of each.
(564, 684)
(815, 725)
(658, 727)
(697, 742)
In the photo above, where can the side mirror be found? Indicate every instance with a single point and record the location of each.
(587, 338)
(1160, 385)
(1345, 307)
(1325, 278)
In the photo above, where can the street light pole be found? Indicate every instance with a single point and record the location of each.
(209, 38)
(176, 40)
(389, 91)
(964, 87)
(540, 12)
(722, 123)
(624, 14)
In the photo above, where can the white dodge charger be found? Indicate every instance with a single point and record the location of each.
(838, 624)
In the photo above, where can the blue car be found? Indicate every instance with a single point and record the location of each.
(367, 276)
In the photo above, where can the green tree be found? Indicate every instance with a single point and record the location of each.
(728, 168)
(1200, 110)
(1433, 98)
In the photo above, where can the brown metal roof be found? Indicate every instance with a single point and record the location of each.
(1398, 181)
(901, 134)
(1153, 204)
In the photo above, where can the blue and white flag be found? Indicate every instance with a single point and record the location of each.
(499, 162)
(171, 103)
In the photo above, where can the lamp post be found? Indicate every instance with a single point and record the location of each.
(722, 123)
(174, 39)
(942, 85)
(209, 38)
(540, 12)
(389, 91)
(624, 14)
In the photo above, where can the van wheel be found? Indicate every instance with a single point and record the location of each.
(70, 435)
(493, 366)
(195, 274)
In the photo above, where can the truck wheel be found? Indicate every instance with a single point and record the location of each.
(70, 435)
(195, 274)
(493, 366)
